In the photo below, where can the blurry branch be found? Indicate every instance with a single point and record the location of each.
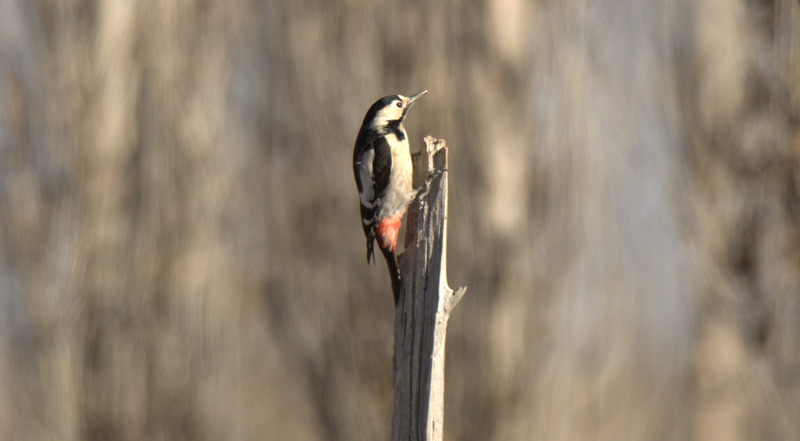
(425, 304)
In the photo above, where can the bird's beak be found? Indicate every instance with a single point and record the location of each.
(414, 98)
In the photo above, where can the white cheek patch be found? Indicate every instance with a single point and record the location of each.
(386, 115)
(365, 176)
(380, 120)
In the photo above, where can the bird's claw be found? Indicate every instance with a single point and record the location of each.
(425, 187)
(435, 173)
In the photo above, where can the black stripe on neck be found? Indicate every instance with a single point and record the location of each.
(398, 131)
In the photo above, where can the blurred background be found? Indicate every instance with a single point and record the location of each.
(181, 256)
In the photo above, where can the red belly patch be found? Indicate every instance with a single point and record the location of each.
(386, 232)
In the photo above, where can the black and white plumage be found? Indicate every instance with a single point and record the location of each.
(383, 172)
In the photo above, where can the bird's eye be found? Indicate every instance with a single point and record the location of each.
(399, 104)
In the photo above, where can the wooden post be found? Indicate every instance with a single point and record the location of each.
(421, 315)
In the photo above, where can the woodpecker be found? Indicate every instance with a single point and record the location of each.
(382, 168)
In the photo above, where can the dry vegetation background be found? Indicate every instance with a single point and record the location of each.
(180, 249)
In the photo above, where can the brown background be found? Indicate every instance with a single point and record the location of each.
(181, 255)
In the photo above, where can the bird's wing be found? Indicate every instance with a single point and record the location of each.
(372, 166)
(381, 165)
(363, 168)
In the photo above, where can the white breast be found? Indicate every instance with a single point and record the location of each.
(399, 191)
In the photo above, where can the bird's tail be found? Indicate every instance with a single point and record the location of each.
(394, 273)
(370, 252)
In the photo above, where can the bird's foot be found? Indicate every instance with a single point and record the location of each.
(425, 187)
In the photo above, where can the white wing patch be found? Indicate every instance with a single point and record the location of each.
(365, 176)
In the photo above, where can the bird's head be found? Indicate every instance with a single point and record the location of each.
(389, 110)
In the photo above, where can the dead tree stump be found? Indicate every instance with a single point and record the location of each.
(425, 304)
